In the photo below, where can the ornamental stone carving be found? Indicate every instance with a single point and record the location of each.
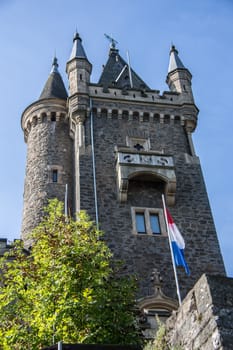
(130, 164)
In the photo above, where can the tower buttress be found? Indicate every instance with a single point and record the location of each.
(79, 70)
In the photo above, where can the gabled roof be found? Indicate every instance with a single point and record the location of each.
(54, 86)
(116, 73)
(174, 62)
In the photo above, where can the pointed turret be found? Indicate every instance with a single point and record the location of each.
(77, 49)
(175, 61)
(78, 67)
(46, 130)
(179, 78)
(54, 86)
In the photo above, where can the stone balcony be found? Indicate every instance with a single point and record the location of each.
(131, 163)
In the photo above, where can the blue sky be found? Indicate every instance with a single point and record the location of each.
(202, 30)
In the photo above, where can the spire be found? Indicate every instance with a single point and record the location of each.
(77, 50)
(54, 86)
(54, 66)
(175, 62)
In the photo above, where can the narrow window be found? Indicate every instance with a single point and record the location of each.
(53, 117)
(154, 224)
(54, 175)
(140, 223)
(81, 77)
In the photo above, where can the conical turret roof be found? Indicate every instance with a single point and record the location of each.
(175, 62)
(54, 86)
(77, 49)
(116, 73)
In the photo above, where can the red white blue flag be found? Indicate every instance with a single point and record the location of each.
(177, 242)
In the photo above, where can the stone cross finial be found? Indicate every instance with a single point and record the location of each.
(157, 280)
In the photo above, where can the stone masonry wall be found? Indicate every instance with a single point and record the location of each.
(48, 145)
(205, 319)
(191, 212)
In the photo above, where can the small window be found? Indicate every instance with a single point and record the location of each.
(154, 224)
(54, 175)
(140, 223)
(148, 221)
(53, 117)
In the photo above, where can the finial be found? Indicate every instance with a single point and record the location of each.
(113, 42)
(173, 49)
(76, 36)
(54, 65)
(157, 281)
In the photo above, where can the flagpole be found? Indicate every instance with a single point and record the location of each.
(66, 200)
(172, 255)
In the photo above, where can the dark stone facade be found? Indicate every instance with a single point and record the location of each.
(191, 212)
(164, 123)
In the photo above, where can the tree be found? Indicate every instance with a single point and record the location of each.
(65, 289)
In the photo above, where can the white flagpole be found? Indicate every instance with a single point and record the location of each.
(130, 73)
(173, 259)
(66, 201)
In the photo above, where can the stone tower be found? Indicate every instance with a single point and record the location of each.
(120, 145)
(49, 150)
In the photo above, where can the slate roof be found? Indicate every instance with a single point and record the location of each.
(54, 86)
(116, 74)
(175, 62)
(77, 49)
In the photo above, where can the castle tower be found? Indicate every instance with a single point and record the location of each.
(131, 144)
(49, 150)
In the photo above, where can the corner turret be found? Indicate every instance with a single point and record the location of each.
(179, 78)
(49, 152)
(78, 68)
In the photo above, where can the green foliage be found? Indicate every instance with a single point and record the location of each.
(160, 341)
(65, 289)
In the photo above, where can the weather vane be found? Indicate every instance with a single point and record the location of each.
(112, 41)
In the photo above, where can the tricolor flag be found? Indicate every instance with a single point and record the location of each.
(177, 242)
